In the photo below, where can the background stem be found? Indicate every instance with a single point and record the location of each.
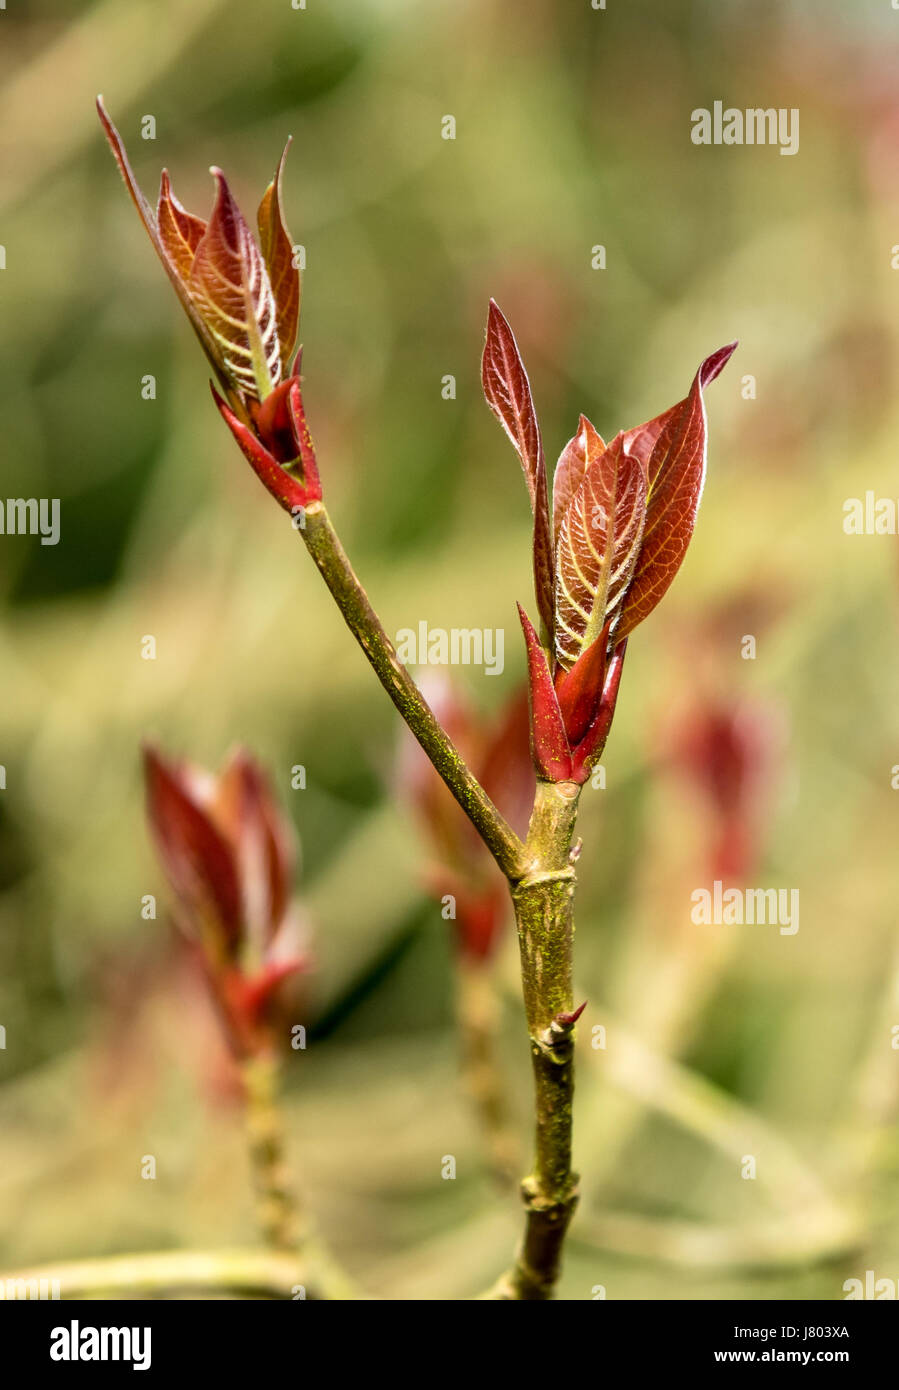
(254, 1273)
(477, 1013)
(278, 1218)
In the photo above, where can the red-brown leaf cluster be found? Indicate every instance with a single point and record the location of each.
(622, 517)
(243, 300)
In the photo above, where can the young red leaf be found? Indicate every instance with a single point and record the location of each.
(598, 547)
(277, 252)
(146, 216)
(230, 287)
(508, 393)
(549, 743)
(196, 856)
(674, 445)
(290, 491)
(303, 441)
(574, 460)
(544, 561)
(179, 231)
(280, 424)
(589, 750)
(579, 690)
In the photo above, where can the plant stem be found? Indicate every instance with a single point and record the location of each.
(258, 1273)
(543, 901)
(277, 1207)
(541, 877)
(334, 566)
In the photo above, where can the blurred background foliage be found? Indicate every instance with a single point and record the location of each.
(573, 129)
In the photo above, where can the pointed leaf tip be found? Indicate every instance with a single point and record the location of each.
(145, 212)
(277, 252)
(716, 362)
(179, 230)
(579, 453)
(508, 394)
(672, 450)
(230, 287)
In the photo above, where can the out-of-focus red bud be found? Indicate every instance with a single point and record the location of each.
(570, 1019)
(728, 750)
(226, 851)
(197, 859)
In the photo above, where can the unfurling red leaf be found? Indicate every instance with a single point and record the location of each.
(544, 562)
(598, 547)
(579, 690)
(230, 287)
(146, 216)
(179, 231)
(574, 460)
(291, 492)
(549, 742)
(277, 252)
(508, 393)
(672, 450)
(589, 750)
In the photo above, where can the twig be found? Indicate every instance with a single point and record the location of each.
(254, 1273)
(278, 1217)
(543, 911)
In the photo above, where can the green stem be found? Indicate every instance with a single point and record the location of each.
(277, 1207)
(543, 901)
(255, 1273)
(333, 564)
(541, 877)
